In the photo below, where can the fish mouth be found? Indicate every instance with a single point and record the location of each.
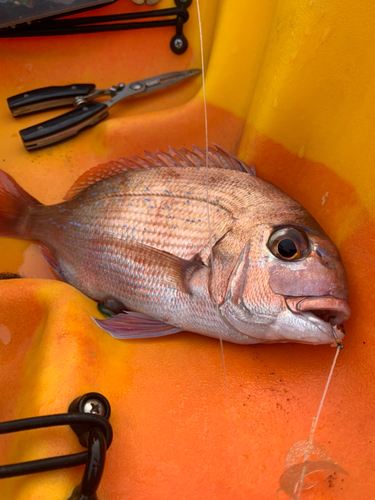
(325, 312)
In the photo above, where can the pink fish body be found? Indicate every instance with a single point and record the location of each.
(136, 234)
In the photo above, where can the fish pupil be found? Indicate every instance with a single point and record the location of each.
(287, 248)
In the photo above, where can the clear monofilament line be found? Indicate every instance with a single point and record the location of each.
(207, 191)
(314, 425)
(214, 284)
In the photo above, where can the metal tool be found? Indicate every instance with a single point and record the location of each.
(87, 112)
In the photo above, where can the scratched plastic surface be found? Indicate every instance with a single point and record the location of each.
(290, 86)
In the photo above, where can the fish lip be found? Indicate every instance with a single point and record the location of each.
(326, 312)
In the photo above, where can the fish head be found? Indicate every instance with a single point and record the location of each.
(289, 283)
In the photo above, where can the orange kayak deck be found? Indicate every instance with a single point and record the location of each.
(290, 87)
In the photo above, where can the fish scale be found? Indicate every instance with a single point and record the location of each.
(135, 233)
(188, 220)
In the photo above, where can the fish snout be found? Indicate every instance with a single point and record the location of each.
(337, 277)
(329, 309)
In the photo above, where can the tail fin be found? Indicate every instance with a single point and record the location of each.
(14, 206)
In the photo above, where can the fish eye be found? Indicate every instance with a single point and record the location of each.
(288, 243)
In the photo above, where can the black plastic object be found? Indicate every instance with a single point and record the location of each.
(47, 98)
(176, 16)
(94, 468)
(94, 432)
(78, 406)
(63, 126)
(13, 12)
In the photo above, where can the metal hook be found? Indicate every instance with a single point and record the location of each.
(340, 345)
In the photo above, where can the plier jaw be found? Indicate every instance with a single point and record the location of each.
(81, 96)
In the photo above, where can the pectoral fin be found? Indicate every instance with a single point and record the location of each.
(170, 271)
(133, 325)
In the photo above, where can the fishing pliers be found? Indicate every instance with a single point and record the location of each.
(87, 112)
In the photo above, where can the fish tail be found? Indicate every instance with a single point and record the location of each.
(15, 206)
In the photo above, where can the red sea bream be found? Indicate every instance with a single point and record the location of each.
(136, 234)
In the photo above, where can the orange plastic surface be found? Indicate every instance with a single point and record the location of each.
(290, 86)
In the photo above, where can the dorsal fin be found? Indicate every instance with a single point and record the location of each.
(217, 158)
(100, 172)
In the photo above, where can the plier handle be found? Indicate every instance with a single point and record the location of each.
(87, 112)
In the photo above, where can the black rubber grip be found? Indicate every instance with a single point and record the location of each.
(47, 98)
(63, 126)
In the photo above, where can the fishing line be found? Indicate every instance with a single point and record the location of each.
(214, 285)
(315, 423)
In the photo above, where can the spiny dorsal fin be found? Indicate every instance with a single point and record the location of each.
(217, 158)
(99, 173)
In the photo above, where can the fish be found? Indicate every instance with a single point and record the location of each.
(246, 264)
